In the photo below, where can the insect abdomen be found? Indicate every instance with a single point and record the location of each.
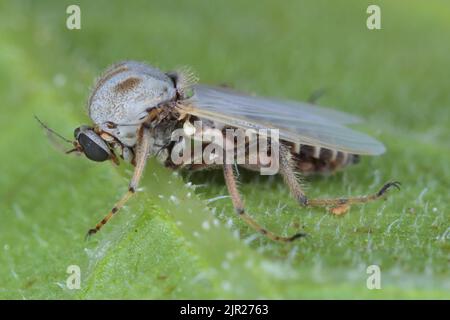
(311, 159)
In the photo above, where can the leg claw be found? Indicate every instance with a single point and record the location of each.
(90, 233)
(383, 190)
(297, 236)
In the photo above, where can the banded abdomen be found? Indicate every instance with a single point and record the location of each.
(311, 159)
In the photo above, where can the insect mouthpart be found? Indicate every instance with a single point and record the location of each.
(92, 145)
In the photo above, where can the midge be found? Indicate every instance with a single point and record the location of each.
(136, 107)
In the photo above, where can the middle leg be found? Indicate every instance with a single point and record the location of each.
(238, 204)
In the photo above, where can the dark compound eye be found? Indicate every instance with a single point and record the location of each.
(93, 146)
(91, 149)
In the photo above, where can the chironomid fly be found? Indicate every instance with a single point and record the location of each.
(135, 109)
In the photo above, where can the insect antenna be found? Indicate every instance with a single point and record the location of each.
(72, 150)
(51, 134)
(51, 131)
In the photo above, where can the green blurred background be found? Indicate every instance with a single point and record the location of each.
(181, 240)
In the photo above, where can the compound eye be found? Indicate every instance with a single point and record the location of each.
(93, 146)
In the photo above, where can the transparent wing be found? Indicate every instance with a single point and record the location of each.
(298, 122)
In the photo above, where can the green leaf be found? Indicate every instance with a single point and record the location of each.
(179, 237)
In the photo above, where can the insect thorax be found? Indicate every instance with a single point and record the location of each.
(123, 96)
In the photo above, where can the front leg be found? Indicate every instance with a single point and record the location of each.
(142, 150)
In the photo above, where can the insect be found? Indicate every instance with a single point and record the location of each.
(135, 108)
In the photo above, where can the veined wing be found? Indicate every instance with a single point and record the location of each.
(298, 122)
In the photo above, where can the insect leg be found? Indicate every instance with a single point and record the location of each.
(238, 204)
(290, 178)
(353, 200)
(142, 150)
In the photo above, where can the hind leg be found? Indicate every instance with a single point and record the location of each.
(339, 205)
